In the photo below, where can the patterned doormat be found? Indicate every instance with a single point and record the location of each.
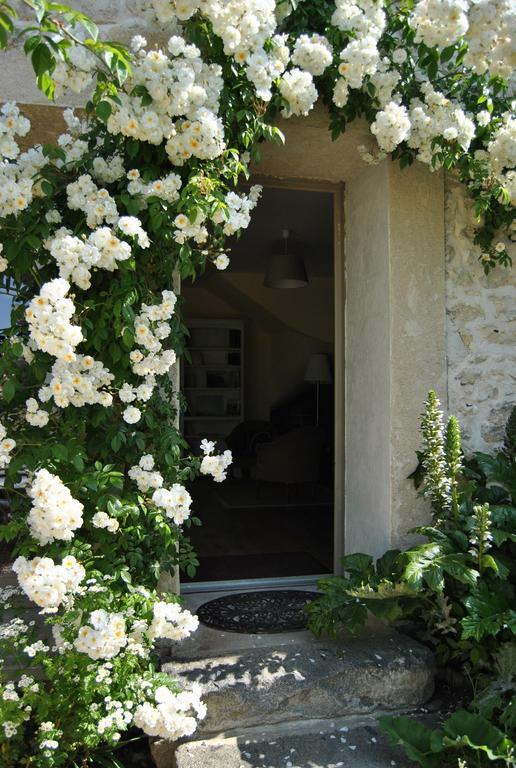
(258, 612)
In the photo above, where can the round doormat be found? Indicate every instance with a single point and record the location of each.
(257, 612)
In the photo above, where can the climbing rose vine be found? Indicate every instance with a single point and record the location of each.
(147, 184)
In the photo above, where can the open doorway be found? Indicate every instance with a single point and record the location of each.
(261, 382)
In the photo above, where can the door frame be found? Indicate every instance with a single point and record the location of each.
(339, 276)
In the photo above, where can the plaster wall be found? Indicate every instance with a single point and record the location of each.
(368, 377)
(417, 326)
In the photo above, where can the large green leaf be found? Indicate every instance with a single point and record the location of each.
(420, 743)
(388, 566)
(457, 565)
(358, 564)
(468, 729)
(489, 611)
(503, 516)
(422, 566)
(499, 470)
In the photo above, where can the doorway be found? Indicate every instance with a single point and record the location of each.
(264, 379)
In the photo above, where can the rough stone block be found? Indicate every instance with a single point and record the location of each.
(333, 745)
(299, 682)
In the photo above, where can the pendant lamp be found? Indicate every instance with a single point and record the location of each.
(286, 270)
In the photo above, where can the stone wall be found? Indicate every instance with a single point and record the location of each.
(480, 330)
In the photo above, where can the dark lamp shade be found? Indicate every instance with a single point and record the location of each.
(286, 270)
(318, 369)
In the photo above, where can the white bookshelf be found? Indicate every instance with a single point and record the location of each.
(213, 380)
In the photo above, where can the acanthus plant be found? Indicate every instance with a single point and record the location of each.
(146, 185)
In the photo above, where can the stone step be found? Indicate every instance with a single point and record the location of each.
(348, 743)
(274, 684)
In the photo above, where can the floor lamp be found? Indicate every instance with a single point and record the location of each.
(318, 370)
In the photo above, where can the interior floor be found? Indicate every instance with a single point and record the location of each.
(272, 536)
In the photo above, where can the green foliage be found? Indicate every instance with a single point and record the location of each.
(367, 587)
(459, 584)
(509, 442)
(463, 735)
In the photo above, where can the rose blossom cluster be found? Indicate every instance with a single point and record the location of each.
(298, 89)
(54, 514)
(73, 147)
(19, 181)
(192, 227)
(243, 27)
(440, 22)
(12, 123)
(214, 464)
(391, 126)
(49, 315)
(108, 170)
(102, 520)
(35, 416)
(437, 116)
(488, 27)
(502, 154)
(80, 382)
(144, 474)
(151, 327)
(181, 85)
(17, 186)
(6, 446)
(104, 635)
(142, 392)
(364, 21)
(132, 227)
(312, 53)
(233, 215)
(386, 78)
(490, 38)
(165, 188)
(118, 716)
(263, 67)
(75, 74)
(237, 211)
(97, 204)
(202, 136)
(14, 629)
(46, 583)
(175, 502)
(76, 257)
(171, 622)
(168, 714)
(247, 32)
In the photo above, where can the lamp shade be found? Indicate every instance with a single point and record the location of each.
(286, 270)
(318, 369)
